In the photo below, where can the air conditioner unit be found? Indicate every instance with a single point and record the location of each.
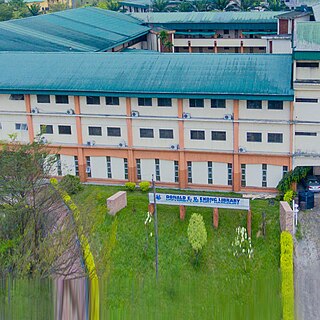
(34, 110)
(186, 115)
(44, 140)
(174, 147)
(122, 144)
(134, 114)
(70, 111)
(91, 143)
(241, 149)
(88, 169)
(228, 117)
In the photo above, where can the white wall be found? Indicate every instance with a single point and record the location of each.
(254, 175)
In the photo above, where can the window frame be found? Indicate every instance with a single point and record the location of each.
(92, 128)
(224, 138)
(43, 96)
(115, 101)
(142, 102)
(194, 103)
(196, 132)
(62, 99)
(162, 104)
(118, 134)
(253, 134)
(219, 103)
(250, 105)
(16, 97)
(44, 127)
(274, 134)
(145, 130)
(64, 126)
(161, 131)
(275, 107)
(90, 100)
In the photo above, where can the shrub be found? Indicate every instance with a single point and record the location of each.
(286, 265)
(197, 233)
(130, 186)
(144, 186)
(71, 184)
(292, 176)
(288, 196)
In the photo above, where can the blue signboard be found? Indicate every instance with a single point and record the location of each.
(200, 201)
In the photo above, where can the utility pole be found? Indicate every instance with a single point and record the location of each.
(155, 224)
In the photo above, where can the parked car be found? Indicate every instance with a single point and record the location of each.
(312, 183)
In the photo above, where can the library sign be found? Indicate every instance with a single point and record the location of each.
(200, 201)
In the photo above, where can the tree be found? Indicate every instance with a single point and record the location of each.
(6, 12)
(275, 5)
(55, 7)
(197, 234)
(185, 6)
(160, 5)
(202, 5)
(37, 235)
(112, 5)
(34, 9)
(19, 9)
(164, 40)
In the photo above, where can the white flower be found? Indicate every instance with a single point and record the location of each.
(150, 234)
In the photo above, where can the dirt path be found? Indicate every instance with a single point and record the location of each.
(307, 265)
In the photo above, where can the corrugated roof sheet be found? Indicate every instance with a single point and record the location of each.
(208, 17)
(84, 29)
(141, 74)
(136, 3)
(307, 36)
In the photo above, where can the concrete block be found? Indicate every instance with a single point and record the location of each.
(117, 202)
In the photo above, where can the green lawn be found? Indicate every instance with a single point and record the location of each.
(219, 288)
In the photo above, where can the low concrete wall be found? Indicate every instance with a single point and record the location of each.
(286, 217)
(117, 202)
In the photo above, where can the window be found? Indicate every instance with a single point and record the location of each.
(196, 103)
(176, 171)
(254, 104)
(254, 137)
(146, 133)
(76, 165)
(43, 98)
(264, 175)
(125, 165)
(307, 100)
(218, 103)
(138, 164)
(210, 174)
(88, 167)
(46, 128)
(226, 32)
(109, 172)
(308, 64)
(284, 170)
(218, 135)
(243, 175)
(229, 174)
(166, 133)
(275, 137)
(64, 129)
(112, 101)
(157, 167)
(189, 169)
(62, 99)
(164, 102)
(275, 105)
(144, 102)
(197, 135)
(59, 169)
(300, 133)
(21, 126)
(113, 132)
(95, 131)
(93, 100)
(16, 97)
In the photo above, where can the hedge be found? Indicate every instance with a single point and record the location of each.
(87, 254)
(286, 265)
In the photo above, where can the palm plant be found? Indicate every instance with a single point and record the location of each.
(160, 5)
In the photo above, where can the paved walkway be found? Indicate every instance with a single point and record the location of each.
(307, 265)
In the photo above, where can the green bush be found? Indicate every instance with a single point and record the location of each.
(130, 186)
(144, 186)
(288, 196)
(286, 265)
(292, 176)
(197, 233)
(71, 184)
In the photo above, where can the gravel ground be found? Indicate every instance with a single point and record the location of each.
(307, 265)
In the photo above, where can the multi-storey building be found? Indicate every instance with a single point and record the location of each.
(194, 121)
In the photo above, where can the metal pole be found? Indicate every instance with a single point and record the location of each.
(155, 224)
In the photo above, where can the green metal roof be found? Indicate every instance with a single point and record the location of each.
(136, 3)
(84, 29)
(233, 76)
(306, 55)
(307, 37)
(217, 19)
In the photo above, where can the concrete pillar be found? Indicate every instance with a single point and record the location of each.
(151, 208)
(216, 217)
(189, 46)
(249, 223)
(182, 212)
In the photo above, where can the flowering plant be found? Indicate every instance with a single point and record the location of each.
(242, 244)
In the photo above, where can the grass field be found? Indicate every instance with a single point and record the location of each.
(220, 287)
